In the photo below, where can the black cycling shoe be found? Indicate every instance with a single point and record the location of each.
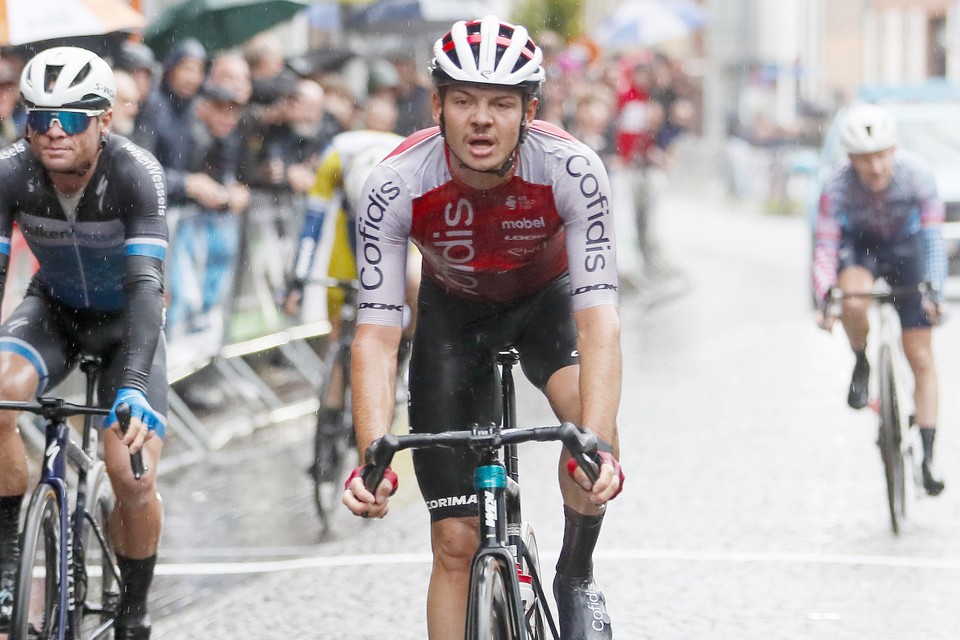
(932, 483)
(857, 397)
(582, 609)
(132, 628)
(8, 578)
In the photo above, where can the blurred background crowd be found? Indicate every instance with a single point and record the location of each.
(239, 99)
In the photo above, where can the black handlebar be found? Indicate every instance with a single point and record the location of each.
(58, 410)
(582, 445)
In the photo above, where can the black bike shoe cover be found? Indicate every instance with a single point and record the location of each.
(582, 610)
(857, 397)
(132, 629)
(932, 484)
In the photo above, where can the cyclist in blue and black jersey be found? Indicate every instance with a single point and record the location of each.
(880, 215)
(92, 207)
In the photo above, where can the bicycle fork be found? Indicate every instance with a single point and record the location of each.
(490, 481)
(52, 474)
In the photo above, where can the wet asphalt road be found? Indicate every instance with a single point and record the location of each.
(753, 509)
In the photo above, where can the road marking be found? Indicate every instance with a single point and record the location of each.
(619, 555)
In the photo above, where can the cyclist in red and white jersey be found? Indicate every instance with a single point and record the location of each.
(513, 219)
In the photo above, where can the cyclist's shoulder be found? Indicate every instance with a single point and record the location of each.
(912, 170)
(14, 158)
(126, 160)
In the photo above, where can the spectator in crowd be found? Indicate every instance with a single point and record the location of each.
(280, 159)
(138, 60)
(12, 114)
(126, 105)
(166, 117)
(593, 122)
(340, 106)
(413, 97)
(639, 117)
(205, 246)
(230, 69)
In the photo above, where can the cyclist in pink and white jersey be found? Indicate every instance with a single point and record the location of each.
(512, 216)
(880, 216)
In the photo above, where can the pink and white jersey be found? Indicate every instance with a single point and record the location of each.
(499, 244)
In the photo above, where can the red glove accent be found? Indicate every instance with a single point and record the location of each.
(388, 474)
(605, 458)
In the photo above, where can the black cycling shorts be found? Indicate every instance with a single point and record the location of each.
(454, 379)
(52, 337)
(902, 263)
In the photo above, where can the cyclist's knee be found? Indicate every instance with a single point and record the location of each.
(454, 542)
(18, 379)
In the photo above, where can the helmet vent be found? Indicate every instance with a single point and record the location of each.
(51, 73)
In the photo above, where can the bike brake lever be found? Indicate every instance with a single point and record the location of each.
(582, 445)
(136, 459)
(377, 458)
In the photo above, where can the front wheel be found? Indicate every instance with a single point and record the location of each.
(889, 440)
(95, 557)
(333, 453)
(535, 611)
(36, 609)
(489, 616)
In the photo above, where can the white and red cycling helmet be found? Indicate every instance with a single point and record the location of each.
(488, 51)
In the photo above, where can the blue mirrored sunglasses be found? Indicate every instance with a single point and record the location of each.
(72, 122)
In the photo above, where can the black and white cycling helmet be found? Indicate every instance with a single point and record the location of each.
(67, 78)
(868, 128)
(488, 51)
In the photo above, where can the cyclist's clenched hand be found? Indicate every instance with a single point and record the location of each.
(608, 485)
(361, 502)
(830, 309)
(145, 422)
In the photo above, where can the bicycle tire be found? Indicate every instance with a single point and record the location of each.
(889, 439)
(534, 615)
(491, 619)
(332, 449)
(96, 558)
(36, 607)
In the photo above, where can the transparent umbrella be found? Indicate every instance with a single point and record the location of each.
(644, 23)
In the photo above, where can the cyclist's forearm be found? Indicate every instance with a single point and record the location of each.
(373, 381)
(143, 287)
(601, 370)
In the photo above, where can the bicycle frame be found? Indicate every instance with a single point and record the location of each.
(895, 439)
(497, 487)
(60, 449)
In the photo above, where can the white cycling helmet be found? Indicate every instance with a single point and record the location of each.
(67, 78)
(488, 51)
(868, 128)
(359, 168)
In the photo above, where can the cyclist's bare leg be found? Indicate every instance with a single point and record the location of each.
(137, 520)
(454, 541)
(563, 393)
(918, 347)
(856, 279)
(18, 382)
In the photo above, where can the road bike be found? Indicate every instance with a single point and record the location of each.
(901, 448)
(506, 599)
(68, 583)
(333, 441)
(334, 444)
